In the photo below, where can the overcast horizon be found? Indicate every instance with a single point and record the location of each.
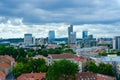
(100, 17)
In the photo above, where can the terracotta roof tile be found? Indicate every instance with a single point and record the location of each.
(32, 76)
(2, 75)
(93, 76)
(9, 58)
(62, 56)
(81, 58)
(4, 64)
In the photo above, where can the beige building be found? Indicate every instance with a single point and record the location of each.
(81, 61)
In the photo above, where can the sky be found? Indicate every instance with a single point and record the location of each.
(100, 17)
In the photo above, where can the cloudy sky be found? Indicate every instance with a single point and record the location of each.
(100, 17)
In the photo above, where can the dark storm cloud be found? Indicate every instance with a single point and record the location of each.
(62, 11)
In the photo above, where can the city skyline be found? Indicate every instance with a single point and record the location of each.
(100, 17)
(38, 31)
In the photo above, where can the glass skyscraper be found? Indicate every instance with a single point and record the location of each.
(84, 34)
(28, 39)
(51, 36)
(71, 35)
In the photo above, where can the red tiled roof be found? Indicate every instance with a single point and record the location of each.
(9, 58)
(93, 76)
(4, 64)
(32, 76)
(62, 56)
(2, 75)
(104, 77)
(86, 75)
(81, 58)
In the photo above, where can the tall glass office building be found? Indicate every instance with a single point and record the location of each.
(51, 36)
(84, 34)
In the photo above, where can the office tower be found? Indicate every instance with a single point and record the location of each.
(34, 40)
(51, 36)
(90, 36)
(27, 39)
(70, 30)
(84, 34)
(71, 35)
(116, 43)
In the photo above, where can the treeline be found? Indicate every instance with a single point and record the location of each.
(102, 68)
(25, 62)
(21, 55)
(32, 65)
(105, 53)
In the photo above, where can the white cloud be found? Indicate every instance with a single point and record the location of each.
(15, 28)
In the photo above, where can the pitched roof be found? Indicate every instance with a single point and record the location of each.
(4, 64)
(39, 56)
(7, 57)
(86, 75)
(62, 56)
(2, 75)
(93, 76)
(104, 77)
(32, 76)
(81, 58)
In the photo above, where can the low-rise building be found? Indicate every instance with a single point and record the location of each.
(56, 57)
(81, 61)
(32, 76)
(41, 57)
(6, 64)
(2, 75)
(93, 76)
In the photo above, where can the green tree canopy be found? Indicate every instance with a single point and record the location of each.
(92, 67)
(62, 69)
(102, 68)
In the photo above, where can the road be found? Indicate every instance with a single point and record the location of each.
(10, 77)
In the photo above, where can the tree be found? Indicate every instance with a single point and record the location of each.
(105, 69)
(37, 65)
(92, 67)
(19, 69)
(102, 68)
(63, 69)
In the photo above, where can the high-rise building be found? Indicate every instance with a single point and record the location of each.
(84, 34)
(28, 39)
(51, 36)
(116, 43)
(71, 35)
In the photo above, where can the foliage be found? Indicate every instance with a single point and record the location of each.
(92, 67)
(101, 68)
(105, 69)
(105, 54)
(33, 65)
(19, 69)
(62, 69)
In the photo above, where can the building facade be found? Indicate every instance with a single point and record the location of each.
(28, 39)
(51, 36)
(71, 35)
(84, 34)
(116, 43)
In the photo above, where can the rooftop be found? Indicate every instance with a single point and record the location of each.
(62, 56)
(32, 76)
(4, 64)
(2, 75)
(7, 57)
(81, 58)
(93, 76)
